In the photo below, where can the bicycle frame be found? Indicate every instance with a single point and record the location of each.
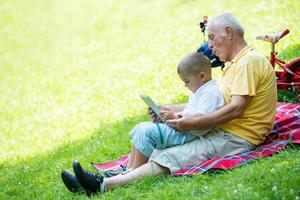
(284, 76)
(274, 60)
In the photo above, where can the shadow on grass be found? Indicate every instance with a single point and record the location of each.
(39, 176)
(287, 96)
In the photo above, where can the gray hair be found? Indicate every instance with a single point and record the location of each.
(227, 18)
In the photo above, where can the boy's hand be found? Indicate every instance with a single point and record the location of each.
(154, 117)
(167, 113)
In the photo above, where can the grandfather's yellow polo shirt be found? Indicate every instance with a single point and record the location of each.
(250, 73)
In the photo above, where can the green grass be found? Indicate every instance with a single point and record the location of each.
(71, 73)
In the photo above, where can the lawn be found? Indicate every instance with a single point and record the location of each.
(71, 73)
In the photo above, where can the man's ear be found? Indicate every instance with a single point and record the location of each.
(229, 32)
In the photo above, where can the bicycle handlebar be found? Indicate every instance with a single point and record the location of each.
(273, 37)
(282, 34)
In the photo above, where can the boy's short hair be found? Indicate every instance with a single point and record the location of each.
(194, 63)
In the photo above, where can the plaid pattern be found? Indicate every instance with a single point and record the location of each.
(286, 130)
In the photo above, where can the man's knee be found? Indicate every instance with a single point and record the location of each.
(158, 169)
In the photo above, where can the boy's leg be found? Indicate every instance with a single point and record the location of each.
(139, 159)
(150, 168)
(144, 139)
(131, 157)
(136, 159)
(148, 136)
(134, 151)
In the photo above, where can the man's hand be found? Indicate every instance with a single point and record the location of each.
(181, 124)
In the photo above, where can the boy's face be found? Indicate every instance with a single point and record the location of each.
(193, 81)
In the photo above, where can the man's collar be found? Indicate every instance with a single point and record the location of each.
(245, 50)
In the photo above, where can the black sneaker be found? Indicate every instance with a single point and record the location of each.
(71, 181)
(114, 172)
(90, 182)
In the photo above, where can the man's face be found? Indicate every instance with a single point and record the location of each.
(218, 42)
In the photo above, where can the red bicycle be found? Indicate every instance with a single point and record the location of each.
(288, 77)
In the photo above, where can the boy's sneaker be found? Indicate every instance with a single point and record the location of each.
(122, 169)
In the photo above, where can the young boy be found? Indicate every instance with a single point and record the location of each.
(195, 71)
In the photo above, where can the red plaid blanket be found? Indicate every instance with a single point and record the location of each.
(286, 130)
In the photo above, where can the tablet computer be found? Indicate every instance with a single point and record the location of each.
(152, 105)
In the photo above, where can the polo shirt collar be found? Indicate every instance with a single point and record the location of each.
(244, 51)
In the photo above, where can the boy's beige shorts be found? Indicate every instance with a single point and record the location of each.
(216, 143)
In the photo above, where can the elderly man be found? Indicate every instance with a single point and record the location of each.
(249, 88)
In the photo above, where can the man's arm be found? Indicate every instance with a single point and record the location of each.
(225, 114)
